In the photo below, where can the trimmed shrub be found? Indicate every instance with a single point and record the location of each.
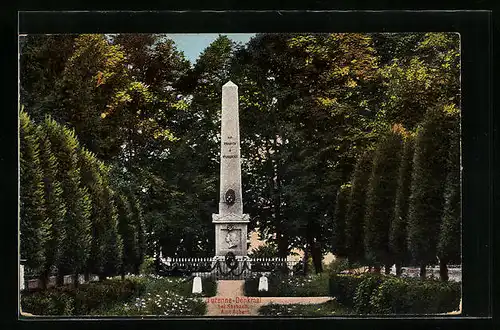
(364, 292)
(70, 301)
(343, 288)
(414, 296)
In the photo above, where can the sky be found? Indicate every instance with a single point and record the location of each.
(193, 44)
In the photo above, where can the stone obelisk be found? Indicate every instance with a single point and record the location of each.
(230, 222)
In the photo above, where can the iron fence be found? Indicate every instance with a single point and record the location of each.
(228, 267)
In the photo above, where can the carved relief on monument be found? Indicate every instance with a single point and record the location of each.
(232, 237)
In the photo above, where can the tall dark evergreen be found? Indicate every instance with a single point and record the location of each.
(427, 188)
(398, 232)
(356, 210)
(128, 233)
(339, 221)
(55, 206)
(449, 247)
(380, 199)
(112, 241)
(34, 226)
(76, 244)
(92, 180)
(138, 223)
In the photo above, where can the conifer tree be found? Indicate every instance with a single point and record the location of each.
(128, 233)
(113, 243)
(34, 226)
(427, 188)
(92, 180)
(449, 236)
(339, 221)
(138, 223)
(55, 206)
(77, 240)
(380, 199)
(356, 209)
(398, 232)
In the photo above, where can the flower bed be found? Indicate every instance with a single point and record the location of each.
(136, 295)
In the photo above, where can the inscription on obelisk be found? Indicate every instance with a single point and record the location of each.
(230, 222)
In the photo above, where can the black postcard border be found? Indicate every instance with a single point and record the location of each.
(475, 28)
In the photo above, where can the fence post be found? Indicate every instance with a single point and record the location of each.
(22, 282)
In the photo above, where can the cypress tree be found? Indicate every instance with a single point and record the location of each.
(427, 188)
(54, 204)
(92, 180)
(398, 232)
(113, 243)
(128, 233)
(356, 209)
(34, 227)
(381, 197)
(138, 223)
(339, 221)
(449, 236)
(77, 241)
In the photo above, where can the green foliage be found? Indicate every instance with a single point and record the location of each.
(356, 211)
(414, 296)
(80, 301)
(328, 308)
(339, 222)
(127, 231)
(449, 247)
(285, 286)
(427, 189)
(398, 230)
(55, 206)
(264, 251)
(77, 226)
(148, 266)
(112, 242)
(416, 82)
(364, 292)
(380, 198)
(34, 224)
(343, 288)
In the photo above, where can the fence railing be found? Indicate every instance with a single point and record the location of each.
(228, 267)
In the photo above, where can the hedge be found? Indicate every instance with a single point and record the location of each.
(80, 301)
(414, 296)
(386, 294)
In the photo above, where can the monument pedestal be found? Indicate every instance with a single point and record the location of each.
(230, 233)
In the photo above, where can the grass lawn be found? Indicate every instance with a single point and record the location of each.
(328, 308)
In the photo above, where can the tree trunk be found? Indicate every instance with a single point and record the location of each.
(44, 279)
(306, 259)
(423, 271)
(59, 279)
(317, 257)
(86, 276)
(377, 269)
(443, 270)
(399, 268)
(387, 269)
(76, 282)
(369, 269)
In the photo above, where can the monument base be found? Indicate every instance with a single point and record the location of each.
(231, 234)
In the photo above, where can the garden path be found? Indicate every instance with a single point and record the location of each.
(234, 290)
